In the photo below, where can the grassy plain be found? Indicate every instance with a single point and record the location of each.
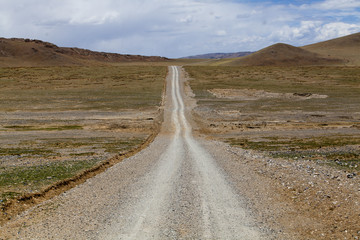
(58, 121)
(80, 88)
(294, 112)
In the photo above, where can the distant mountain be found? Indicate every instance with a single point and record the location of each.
(25, 52)
(282, 54)
(347, 48)
(219, 55)
(339, 51)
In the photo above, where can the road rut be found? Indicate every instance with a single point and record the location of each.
(174, 189)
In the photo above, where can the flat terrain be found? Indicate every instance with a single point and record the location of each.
(171, 190)
(255, 152)
(303, 123)
(56, 122)
(288, 111)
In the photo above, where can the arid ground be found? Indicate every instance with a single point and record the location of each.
(297, 131)
(285, 140)
(56, 122)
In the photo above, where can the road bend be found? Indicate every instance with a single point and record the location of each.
(173, 189)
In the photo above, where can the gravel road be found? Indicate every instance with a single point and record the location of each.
(174, 189)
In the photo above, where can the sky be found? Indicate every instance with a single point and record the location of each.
(178, 28)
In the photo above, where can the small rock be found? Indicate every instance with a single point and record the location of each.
(351, 175)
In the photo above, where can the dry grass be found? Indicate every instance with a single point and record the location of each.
(347, 48)
(312, 128)
(80, 88)
(341, 84)
(59, 121)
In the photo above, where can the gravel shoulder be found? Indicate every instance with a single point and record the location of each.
(295, 199)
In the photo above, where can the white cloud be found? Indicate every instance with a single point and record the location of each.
(335, 29)
(314, 31)
(288, 33)
(175, 28)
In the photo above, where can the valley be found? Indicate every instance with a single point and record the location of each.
(263, 146)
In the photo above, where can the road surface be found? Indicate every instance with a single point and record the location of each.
(173, 189)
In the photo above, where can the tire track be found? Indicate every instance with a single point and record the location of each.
(173, 189)
(223, 215)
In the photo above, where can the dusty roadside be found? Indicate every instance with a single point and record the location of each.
(297, 197)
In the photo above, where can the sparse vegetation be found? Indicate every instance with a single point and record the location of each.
(322, 149)
(341, 84)
(277, 144)
(85, 152)
(38, 128)
(51, 114)
(42, 173)
(285, 117)
(25, 151)
(14, 181)
(81, 88)
(122, 145)
(106, 144)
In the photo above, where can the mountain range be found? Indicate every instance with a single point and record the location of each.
(16, 52)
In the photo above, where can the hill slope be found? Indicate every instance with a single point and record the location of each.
(282, 54)
(347, 48)
(25, 52)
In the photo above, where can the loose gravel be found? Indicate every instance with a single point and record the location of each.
(171, 190)
(186, 187)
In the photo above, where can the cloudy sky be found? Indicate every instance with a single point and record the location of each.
(177, 28)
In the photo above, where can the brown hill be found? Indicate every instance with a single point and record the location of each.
(282, 54)
(25, 52)
(347, 48)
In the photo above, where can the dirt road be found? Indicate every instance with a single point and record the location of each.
(174, 189)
